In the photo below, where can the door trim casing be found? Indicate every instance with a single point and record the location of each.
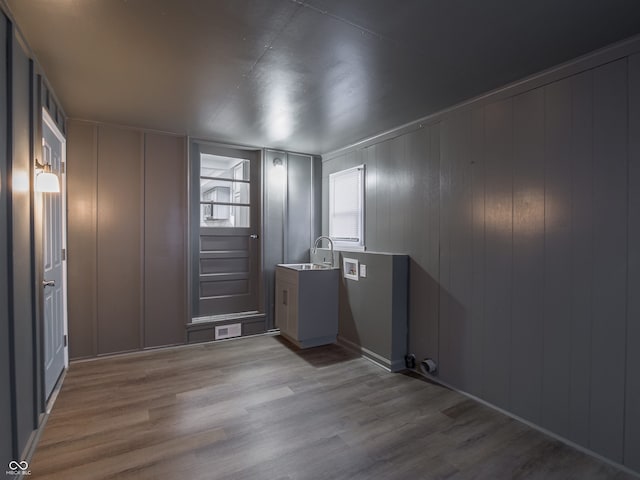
(51, 124)
(192, 214)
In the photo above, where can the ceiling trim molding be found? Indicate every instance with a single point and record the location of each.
(580, 64)
(125, 127)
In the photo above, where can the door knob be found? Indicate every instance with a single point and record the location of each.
(48, 283)
(254, 236)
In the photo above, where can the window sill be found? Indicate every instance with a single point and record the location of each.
(349, 248)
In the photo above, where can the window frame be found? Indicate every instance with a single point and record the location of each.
(349, 245)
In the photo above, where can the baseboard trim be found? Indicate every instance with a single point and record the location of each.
(34, 438)
(540, 429)
(367, 354)
(172, 347)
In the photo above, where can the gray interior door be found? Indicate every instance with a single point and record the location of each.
(225, 230)
(53, 266)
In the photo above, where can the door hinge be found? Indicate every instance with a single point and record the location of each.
(65, 340)
(63, 167)
(64, 254)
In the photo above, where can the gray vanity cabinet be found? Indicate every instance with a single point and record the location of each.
(307, 305)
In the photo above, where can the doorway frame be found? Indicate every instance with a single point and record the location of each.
(51, 124)
(191, 226)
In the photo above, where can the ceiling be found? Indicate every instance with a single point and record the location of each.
(304, 76)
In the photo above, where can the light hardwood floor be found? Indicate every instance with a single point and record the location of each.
(258, 409)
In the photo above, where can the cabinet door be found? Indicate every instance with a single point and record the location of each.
(286, 307)
(292, 310)
(281, 306)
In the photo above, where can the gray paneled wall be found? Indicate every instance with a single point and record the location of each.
(82, 171)
(126, 234)
(301, 211)
(520, 214)
(291, 224)
(119, 239)
(6, 443)
(22, 399)
(373, 310)
(581, 254)
(273, 227)
(21, 273)
(609, 287)
(632, 420)
(165, 231)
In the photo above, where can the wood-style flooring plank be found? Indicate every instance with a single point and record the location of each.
(257, 408)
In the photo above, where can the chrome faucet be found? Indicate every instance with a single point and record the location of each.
(318, 241)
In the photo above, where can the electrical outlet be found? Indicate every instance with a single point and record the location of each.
(363, 270)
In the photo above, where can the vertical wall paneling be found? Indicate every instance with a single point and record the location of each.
(609, 259)
(82, 183)
(476, 313)
(384, 235)
(165, 225)
(415, 171)
(423, 293)
(581, 256)
(299, 207)
(448, 143)
(632, 409)
(524, 249)
(6, 445)
(37, 240)
(456, 248)
(119, 239)
(528, 253)
(193, 236)
(405, 181)
(291, 223)
(324, 224)
(416, 165)
(556, 356)
(395, 231)
(498, 251)
(462, 246)
(273, 239)
(23, 332)
(370, 200)
(433, 239)
(127, 220)
(316, 178)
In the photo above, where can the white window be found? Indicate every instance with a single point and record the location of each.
(346, 208)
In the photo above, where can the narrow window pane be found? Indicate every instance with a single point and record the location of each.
(224, 191)
(221, 216)
(216, 166)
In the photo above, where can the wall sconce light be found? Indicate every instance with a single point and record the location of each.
(46, 180)
(277, 162)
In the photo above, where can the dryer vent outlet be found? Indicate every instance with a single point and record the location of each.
(428, 366)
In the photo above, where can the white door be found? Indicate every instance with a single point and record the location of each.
(55, 355)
